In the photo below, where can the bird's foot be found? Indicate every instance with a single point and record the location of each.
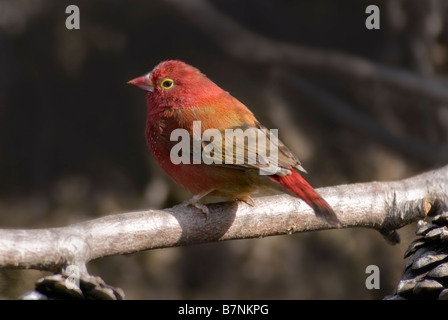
(204, 209)
(248, 200)
(194, 202)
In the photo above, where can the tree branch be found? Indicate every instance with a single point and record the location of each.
(342, 112)
(385, 206)
(249, 46)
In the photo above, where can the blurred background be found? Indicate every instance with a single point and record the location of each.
(72, 142)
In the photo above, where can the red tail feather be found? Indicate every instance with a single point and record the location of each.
(299, 187)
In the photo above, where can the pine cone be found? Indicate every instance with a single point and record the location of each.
(55, 287)
(426, 272)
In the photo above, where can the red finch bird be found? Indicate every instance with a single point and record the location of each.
(178, 94)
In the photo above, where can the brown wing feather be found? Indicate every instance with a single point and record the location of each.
(253, 155)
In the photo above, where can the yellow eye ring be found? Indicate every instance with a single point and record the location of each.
(167, 83)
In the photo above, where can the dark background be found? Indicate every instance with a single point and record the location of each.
(72, 132)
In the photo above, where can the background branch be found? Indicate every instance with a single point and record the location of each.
(350, 117)
(384, 206)
(251, 47)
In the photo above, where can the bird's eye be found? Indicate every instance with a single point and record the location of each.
(167, 83)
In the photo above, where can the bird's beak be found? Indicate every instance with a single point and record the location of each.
(143, 82)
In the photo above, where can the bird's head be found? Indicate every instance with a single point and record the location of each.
(174, 83)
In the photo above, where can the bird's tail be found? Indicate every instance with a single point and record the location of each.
(299, 187)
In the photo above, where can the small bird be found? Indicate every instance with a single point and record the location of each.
(178, 94)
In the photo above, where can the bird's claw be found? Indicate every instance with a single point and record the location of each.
(248, 200)
(194, 202)
(204, 209)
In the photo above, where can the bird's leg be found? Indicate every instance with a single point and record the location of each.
(247, 199)
(194, 202)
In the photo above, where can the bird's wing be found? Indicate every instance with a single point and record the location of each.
(235, 138)
(249, 147)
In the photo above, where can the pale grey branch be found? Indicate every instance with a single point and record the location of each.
(385, 206)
